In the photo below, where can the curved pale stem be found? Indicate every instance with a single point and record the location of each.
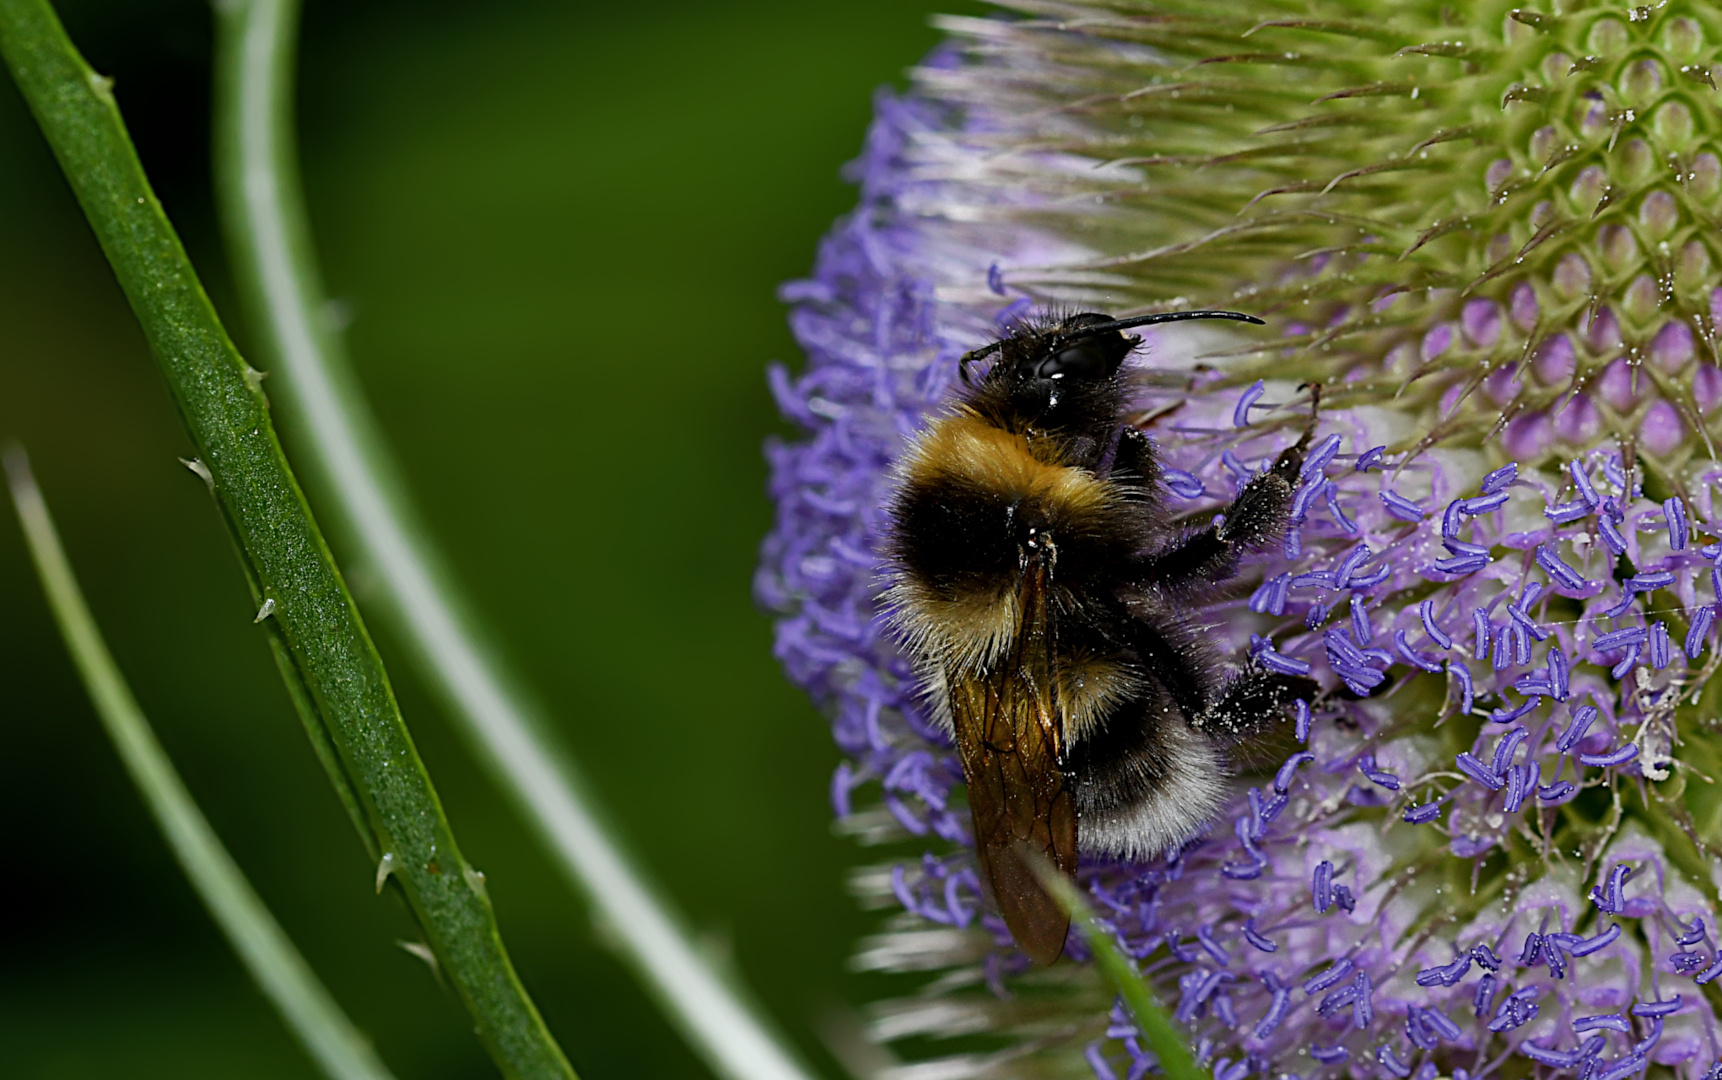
(263, 214)
(263, 947)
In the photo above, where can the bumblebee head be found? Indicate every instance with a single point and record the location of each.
(1046, 365)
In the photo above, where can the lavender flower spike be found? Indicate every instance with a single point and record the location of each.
(1445, 216)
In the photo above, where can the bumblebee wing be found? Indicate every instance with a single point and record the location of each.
(1010, 735)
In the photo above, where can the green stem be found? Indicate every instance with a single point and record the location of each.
(278, 969)
(263, 213)
(295, 579)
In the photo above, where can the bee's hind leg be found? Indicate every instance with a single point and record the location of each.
(1251, 700)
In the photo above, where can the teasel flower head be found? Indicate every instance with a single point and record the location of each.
(1491, 233)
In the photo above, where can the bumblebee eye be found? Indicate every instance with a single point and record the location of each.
(1085, 360)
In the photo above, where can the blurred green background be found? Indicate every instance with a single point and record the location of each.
(558, 228)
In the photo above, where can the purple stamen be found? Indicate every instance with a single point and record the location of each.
(1567, 512)
(1283, 778)
(1462, 675)
(1283, 665)
(1392, 1064)
(1624, 1067)
(1581, 480)
(1330, 977)
(1555, 792)
(1446, 975)
(1619, 639)
(1657, 1008)
(1659, 647)
(1615, 757)
(1369, 458)
(1674, 512)
(1711, 972)
(1583, 716)
(1518, 786)
(1533, 589)
(1476, 770)
(1306, 495)
(1329, 1055)
(1533, 948)
(1323, 886)
(1501, 655)
(1360, 621)
(1701, 620)
(1560, 1058)
(1240, 472)
(1353, 562)
(1277, 1008)
(1484, 996)
(1205, 938)
(1482, 504)
(1320, 456)
(1366, 766)
(1611, 469)
(1255, 938)
(1418, 659)
(1450, 521)
(1421, 815)
(1485, 957)
(1611, 536)
(1479, 634)
(1693, 934)
(1437, 1021)
(1374, 577)
(1603, 1022)
(1241, 414)
(1507, 716)
(1558, 570)
(1521, 642)
(1500, 478)
(1345, 523)
(1427, 611)
(1557, 667)
(1400, 507)
(1506, 747)
(1627, 662)
(1462, 565)
(1530, 626)
(1337, 1000)
(1362, 1006)
(1612, 902)
(1182, 484)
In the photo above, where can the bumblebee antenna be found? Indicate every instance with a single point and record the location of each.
(1161, 317)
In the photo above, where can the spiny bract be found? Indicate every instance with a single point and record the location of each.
(1490, 232)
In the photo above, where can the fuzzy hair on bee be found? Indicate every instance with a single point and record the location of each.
(1043, 588)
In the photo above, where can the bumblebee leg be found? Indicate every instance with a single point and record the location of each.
(1135, 464)
(1256, 518)
(1251, 699)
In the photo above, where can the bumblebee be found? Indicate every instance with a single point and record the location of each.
(1042, 586)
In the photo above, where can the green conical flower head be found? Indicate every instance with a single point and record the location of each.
(1448, 198)
(1487, 233)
